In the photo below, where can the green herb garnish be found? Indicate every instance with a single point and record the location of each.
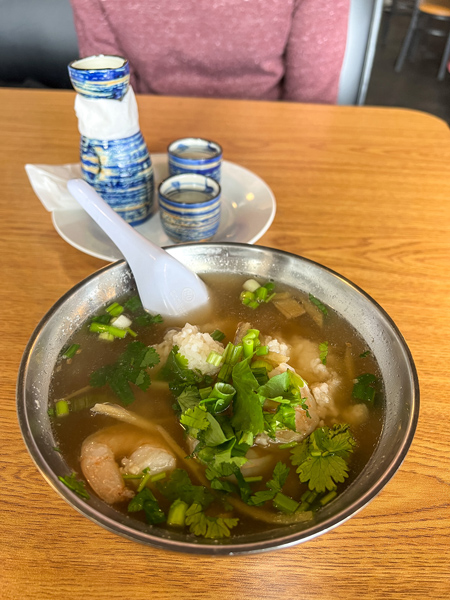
(75, 485)
(131, 367)
(323, 352)
(209, 527)
(319, 304)
(147, 502)
(322, 458)
(365, 388)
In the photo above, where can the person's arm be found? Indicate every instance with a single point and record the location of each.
(93, 30)
(315, 50)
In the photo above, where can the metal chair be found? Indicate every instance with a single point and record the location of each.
(423, 12)
(363, 27)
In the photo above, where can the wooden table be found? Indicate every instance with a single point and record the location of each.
(365, 191)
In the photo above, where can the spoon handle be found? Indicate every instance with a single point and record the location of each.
(165, 285)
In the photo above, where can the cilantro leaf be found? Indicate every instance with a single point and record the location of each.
(195, 418)
(322, 457)
(147, 502)
(133, 304)
(247, 410)
(179, 486)
(130, 367)
(147, 319)
(323, 472)
(74, 484)
(365, 388)
(208, 527)
(177, 373)
(189, 398)
(261, 497)
(276, 386)
(279, 476)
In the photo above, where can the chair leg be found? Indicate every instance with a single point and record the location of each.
(445, 59)
(407, 41)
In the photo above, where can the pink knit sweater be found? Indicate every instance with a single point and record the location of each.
(262, 49)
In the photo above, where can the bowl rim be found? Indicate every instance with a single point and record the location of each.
(232, 548)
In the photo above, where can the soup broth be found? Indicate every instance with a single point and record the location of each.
(254, 480)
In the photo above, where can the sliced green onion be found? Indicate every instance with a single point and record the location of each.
(261, 294)
(62, 408)
(214, 358)
(247, 296)
(328, 497)
(177, 513)
(106, 336)
(253, 479)
(269, 298)
(71, 351)
(144, 479)
(285, 504)
(217, 335)
(247, 345)
(115, 331)
(251, 285)
(158, 477)
(115, 309)
(269, 286)
(235, 355)
(253, 304)
(251, 334)
(131, 332)
(205, 392)
(262, 350)
(261, 364)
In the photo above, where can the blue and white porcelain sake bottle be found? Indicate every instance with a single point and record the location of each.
(113, 152)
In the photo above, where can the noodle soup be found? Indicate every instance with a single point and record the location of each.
(253, 420)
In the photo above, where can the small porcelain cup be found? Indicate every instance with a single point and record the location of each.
(189, 206)
(195, 155)
(100, 76)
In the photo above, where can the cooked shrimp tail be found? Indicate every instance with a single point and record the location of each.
(122, 414)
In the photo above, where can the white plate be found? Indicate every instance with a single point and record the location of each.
(248, 209)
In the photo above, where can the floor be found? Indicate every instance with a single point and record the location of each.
(416, 86)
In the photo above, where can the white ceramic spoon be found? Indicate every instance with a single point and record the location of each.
(165, 286)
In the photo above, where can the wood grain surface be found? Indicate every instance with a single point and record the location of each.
(365, 191)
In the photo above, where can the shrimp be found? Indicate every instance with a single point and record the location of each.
(137, 450)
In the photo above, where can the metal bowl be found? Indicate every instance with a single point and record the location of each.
(366, 316)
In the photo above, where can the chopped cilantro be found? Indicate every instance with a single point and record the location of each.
(133, 304)
(365, 387)
(75, 485)
(365, 354)
(195, 418)
(319, 304)
(279, 476)
(147, 502)
(129, 368)
(247, 410)
(179, 486)
(147, 319)
(208, 527)
(322, 457)
(178, 375)
(323, 352)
